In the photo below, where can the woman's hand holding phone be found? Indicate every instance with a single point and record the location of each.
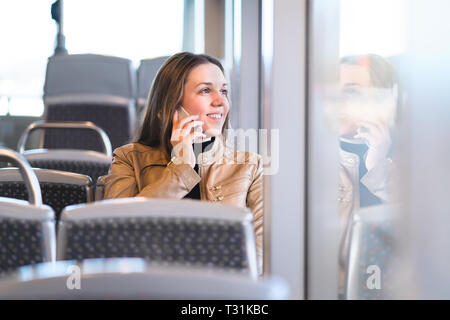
(377, 137)
(183, 135)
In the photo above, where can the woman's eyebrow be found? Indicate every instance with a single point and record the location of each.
(204, 83)
(352, 84)
(209, 84)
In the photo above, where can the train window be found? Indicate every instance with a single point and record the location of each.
(131, 29)
(361, 30)
(366, 114)
(3, 105)
(355, 87)
(23, 58)
(26, 106)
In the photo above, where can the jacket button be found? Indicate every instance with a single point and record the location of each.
(215, 188)
(219, 198)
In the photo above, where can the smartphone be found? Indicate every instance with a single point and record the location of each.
(182, 113)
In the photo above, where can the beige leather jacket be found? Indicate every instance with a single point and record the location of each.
(380, 181)
(225, 176)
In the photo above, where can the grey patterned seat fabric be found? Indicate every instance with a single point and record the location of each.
(89, 87)
(191, 241)
(27, 234)
(58, 189)
(110, 119)
(89, 163)
(372, 253)
(88, 168)
(185, 232)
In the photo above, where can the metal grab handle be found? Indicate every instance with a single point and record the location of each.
(29, 177)
(65, 125)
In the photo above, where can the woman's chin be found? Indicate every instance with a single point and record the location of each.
(213, 132)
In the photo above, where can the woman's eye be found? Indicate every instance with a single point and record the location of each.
(206, 90)
(224, 92)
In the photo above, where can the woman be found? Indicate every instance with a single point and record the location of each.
(369, 86)
(366, 177)
(188, 102)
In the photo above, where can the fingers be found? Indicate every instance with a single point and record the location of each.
(372, 127)
(189, 126)
(377, 133)
(194, 135)
(183, 135)
(183, 146)
(380, 125)
(179, 124)
(375, 129)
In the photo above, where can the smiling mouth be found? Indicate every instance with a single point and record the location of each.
(216, 116)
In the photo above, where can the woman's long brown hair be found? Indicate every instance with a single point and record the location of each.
(166, 95)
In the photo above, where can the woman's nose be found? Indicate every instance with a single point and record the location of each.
(218, 99)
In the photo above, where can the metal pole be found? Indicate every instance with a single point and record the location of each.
(60, 38)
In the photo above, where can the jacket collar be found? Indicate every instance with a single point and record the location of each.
(215, 154)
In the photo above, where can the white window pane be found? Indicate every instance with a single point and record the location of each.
(132, 29)
(363, 106)
(26, 106)
(373, 26)
(27, 41)
(3, 106)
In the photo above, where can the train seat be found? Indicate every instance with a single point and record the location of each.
(372, 254)
(86, 162)
(146, 73)
(134, 278)
(58, 188)
(89, 87)
(27, 228)
(185, 232)
(100, 189)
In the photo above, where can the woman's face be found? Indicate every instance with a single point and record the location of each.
(205, 94)
(354, 83)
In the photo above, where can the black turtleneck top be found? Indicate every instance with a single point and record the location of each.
(205, 146)
(366, 198)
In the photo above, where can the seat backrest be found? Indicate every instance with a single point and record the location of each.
(100, 136)
(133, 278)
(185, 232)
(27, 234)
(59, 189)
(90, 163)
(372, 254)
(27, 229)
(146, 73)
(89, 87)
(100, 189)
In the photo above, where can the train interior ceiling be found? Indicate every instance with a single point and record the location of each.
(345, 101)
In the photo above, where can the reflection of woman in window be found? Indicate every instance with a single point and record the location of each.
(369, 89)
(181, 152)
